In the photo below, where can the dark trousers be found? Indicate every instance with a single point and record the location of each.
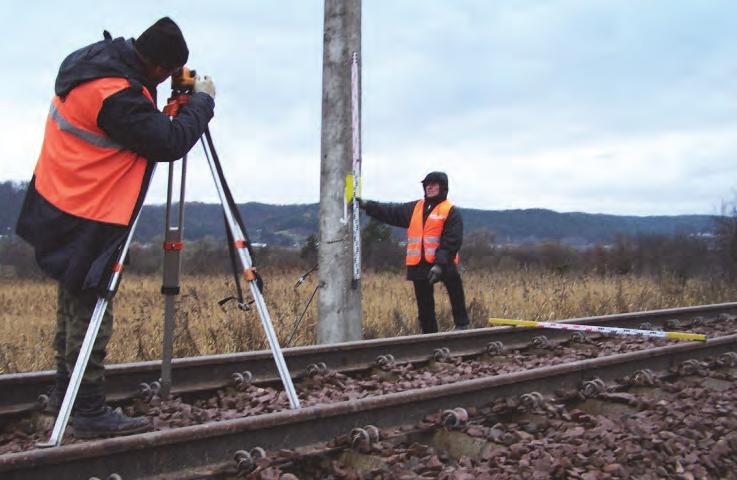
(426, 302)
(74, 311)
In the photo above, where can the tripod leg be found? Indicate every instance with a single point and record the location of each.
(89, 341)
(168, 347)
(247, 264)
(76, 378)
(173, 245)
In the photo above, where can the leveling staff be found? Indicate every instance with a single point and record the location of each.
(103, 135)
(434, 236)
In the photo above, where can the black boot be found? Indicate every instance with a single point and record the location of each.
(462, 327)
(93, 418)
(108, 423)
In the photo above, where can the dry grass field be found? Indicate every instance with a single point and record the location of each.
(27, 309)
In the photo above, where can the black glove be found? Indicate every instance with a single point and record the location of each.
(361, 203)
(434, 274)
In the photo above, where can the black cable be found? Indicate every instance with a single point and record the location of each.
(299, 320)
(302, 279)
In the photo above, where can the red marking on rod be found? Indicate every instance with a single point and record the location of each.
(173, 246)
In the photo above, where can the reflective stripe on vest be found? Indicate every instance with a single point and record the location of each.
(426, 236)
(89, 137)
(81, 170)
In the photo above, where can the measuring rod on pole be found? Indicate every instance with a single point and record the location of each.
(89, 341)
(356, 174)
(241, 247)
(596, 329)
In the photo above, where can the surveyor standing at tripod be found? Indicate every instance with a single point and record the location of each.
(103, 136)
(434, 236)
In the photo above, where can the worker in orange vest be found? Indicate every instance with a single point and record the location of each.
(103, 136)
(434, 237)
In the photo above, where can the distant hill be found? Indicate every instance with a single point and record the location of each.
(289, 225)
(577, 228)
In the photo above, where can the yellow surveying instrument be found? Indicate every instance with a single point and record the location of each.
(182, 85)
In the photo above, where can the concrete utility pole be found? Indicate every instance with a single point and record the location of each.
(339, 303)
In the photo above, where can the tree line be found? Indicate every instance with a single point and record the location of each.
(681, 255)
(290, 225)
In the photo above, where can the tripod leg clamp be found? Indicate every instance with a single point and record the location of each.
(170, 246)
(250, 274)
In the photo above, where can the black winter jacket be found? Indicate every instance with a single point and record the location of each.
(79, 252)
(400, 214)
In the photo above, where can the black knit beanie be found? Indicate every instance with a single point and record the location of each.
(438, 177)
(163, 44)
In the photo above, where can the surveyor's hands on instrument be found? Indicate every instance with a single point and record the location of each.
(204, 84)
(434, 274)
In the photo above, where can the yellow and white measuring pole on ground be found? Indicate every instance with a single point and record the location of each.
(596, 329)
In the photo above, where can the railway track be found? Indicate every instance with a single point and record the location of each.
(209, 373)
(176, 453)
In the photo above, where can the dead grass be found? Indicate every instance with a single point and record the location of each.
(28, 309)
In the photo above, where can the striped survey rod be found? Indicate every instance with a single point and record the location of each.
(356, 170)
(596, 329)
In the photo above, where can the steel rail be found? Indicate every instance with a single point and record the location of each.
(178, 453)
(207, 373)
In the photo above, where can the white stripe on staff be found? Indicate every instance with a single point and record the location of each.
(597, 329)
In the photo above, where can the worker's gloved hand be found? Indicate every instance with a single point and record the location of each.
(434, 274)
(204, 84)
(361, 203)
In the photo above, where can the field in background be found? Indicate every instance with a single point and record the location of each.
(28, 309)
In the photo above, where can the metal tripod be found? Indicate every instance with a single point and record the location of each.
(171, 284)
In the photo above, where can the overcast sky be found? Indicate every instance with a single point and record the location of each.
(625, 107)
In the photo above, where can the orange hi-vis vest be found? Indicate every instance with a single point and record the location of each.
(426, 237)
(81, 170)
